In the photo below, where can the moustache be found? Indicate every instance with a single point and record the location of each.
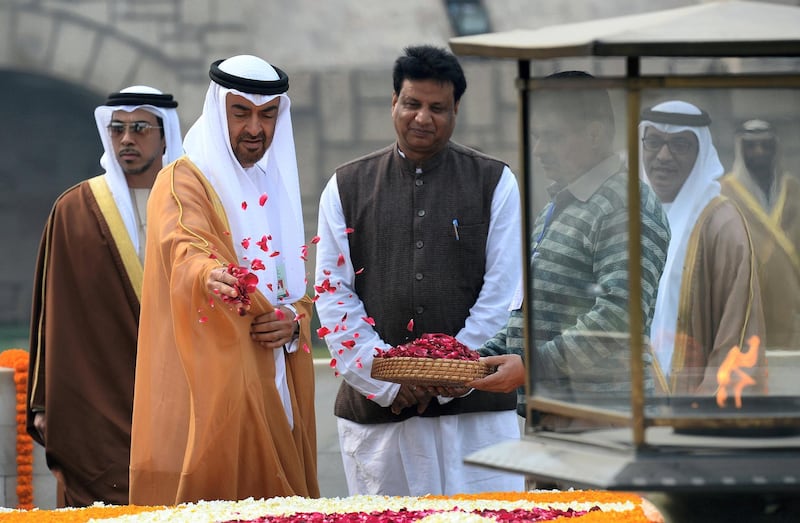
(245, 136)
(127, 151)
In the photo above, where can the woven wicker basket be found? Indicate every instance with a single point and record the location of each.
(429, 371)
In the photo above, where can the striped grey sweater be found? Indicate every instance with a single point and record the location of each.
(579, 274)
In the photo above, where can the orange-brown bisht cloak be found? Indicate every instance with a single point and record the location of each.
(776, 238)
(208, 422)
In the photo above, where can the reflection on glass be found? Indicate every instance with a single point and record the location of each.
(579, 287)
(720, 269)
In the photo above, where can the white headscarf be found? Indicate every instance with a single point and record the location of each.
(207, 144)
(113, 172)
(700, 187)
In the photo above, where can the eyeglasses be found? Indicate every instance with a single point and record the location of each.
(117, 129)
(675, 145)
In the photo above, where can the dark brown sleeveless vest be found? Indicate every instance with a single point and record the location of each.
(414, 266)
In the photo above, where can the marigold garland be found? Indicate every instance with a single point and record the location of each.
(17, 359)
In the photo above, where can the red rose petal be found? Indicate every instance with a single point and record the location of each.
(333, 363)
(315, 240)
(410, 326)
(369, 320)
(244, 206)
(263, 199)
(348, 230)
(246, 243)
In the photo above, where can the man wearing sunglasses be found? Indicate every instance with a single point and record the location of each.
(86, 302)
(708, 294)
(769, 199)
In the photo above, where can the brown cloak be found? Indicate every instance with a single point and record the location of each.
(208, 422)
(83, 344)
(720, 305)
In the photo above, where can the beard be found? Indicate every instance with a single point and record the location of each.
(130, 170)
(244, 151)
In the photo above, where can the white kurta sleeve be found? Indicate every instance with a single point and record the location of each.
(351, 339)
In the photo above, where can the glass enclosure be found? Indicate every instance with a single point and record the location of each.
(663, 224)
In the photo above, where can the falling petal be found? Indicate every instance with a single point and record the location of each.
(304, 252)
(279, 314)
(246, 243)
(349, 344)
(275, 253)
(359, 365)
(336, 374)
(305, 348)
(269, 286)
(203, 319)
(323, 331)
(344, 318)
(326, 272)
(300, 316)
(315, 298)
(257, 265)
(244, 206)
(263, 199)
(212, 256)
(369, 320)
(356, 335)
(262, 243)
(348, 230)
(340, 352)
(315, 240)
(340, 260)
(371, 396)
(227, 233)
(410, 326)
(359, 271)
(333, 363)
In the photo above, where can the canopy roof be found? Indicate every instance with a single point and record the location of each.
(726, 28)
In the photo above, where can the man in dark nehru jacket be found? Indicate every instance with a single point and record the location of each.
(419, 237)
(224, 398)
(86, 302)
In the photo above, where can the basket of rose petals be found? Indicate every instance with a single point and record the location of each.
(430, 360)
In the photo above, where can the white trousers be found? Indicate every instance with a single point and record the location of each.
(421, 456)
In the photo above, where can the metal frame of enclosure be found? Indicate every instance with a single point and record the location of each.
(650, 452)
